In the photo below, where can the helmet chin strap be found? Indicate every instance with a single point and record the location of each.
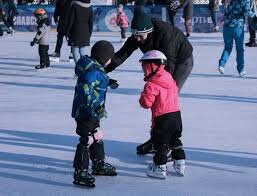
(152, 73)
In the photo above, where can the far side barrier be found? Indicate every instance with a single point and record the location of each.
(104, 18)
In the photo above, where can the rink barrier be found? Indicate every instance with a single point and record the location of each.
(104, 17)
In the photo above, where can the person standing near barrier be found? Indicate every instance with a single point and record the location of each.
(42, 37)
(60, 14)
(122, 22)
(234, 20)
(214, 8)
(187, 6)
(12, 11)
(8, 11)
(79, 27)
(172, 7)
(252, 23)
(148, 34)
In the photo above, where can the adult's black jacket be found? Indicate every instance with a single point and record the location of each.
(80, 23)
(61, 14)
(165, 38)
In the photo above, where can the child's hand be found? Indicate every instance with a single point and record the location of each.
(32, 43)
(101, 112)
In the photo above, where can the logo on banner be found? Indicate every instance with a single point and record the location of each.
(110, 20)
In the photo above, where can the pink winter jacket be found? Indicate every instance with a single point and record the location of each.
(160, 94)
(122, 20)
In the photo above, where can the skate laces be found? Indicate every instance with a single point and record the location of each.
(108, 166)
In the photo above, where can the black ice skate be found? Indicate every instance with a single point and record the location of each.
(41, 66)
(145, 148)
(10, 31)
(83, 178)
(251, 44)
(55, 57)
(102, 168)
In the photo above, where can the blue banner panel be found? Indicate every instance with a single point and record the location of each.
(105, 16)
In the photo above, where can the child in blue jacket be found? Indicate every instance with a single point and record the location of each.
(88, 108)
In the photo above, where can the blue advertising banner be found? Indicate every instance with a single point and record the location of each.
(105, 16)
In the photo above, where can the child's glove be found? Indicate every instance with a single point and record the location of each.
(33, 42)
(101, 112)
(113, 84)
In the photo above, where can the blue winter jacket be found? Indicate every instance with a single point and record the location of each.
(90, 89)
(235, 13)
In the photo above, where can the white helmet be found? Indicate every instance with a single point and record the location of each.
(154, 55)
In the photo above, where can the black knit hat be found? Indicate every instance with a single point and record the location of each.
(141, 22)
(102, 51)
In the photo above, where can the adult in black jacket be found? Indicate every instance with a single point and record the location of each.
(60, 14)
(79, 27)
(157, 35)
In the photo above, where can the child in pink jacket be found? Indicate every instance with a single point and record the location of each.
(122, 22)
(161, 95)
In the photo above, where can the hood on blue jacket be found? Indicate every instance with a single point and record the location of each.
(85, 64)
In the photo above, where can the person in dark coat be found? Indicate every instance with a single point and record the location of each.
(149, 35)
(8, 11)
(187, 6)
(79, 27)
(252, 23)
(60, 14)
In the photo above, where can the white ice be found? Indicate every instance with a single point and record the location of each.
(37, 133)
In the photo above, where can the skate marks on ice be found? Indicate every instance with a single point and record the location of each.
(34, 168)
(193, 75)
(241, 99)
(58, 172)
(47, 86)
(235, 76)
(221, 160)
(134, 91)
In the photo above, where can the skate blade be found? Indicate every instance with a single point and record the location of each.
(57, 60)
(42, 69)
(146, 153)
(105, 174)
(161, 177)
(89, 184)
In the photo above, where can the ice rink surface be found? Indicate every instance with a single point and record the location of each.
(37, 133)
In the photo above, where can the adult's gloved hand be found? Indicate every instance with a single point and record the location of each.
(113, 84)
(101, 112)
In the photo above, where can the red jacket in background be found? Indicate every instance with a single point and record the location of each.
(122, 20)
